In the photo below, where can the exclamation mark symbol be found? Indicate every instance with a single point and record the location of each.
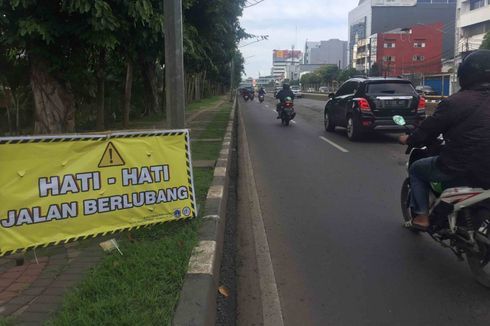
(110, 154)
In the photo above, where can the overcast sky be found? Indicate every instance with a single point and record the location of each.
(289, 22)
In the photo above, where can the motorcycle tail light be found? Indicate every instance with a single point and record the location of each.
(363, 105)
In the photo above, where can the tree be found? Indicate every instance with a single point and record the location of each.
(79, 52)
(375, 70)
(346, 74)
(486, 42)
(328, 73)
(310, 79)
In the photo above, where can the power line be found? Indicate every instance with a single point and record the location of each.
(251, 3)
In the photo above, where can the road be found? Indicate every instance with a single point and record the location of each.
(332, 217)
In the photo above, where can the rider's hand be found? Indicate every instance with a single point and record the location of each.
(403, 139)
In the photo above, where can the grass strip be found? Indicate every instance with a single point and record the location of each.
(204, 103)
(215, 129)
(143, 286)
(7, 321)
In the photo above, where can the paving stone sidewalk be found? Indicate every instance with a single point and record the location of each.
(32, 285)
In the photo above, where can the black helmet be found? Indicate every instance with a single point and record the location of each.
(474, 69)
(285, 86)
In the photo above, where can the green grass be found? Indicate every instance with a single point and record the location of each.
(7, 321)
(205, 103)
(142, 287)
(215, 129)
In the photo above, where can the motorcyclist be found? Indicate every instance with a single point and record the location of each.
(261, 91)
(464, 121)
(284, 93)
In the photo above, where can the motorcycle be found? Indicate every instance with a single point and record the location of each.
(246, 97)
(459, 216)
(287, 111)
(261, 98)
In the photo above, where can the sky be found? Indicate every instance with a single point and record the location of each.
(290, 22)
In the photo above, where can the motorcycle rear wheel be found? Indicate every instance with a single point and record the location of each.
(480, 265)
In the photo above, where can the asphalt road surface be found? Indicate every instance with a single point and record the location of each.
(332, 217)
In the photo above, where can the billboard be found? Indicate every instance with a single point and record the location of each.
(285, 55)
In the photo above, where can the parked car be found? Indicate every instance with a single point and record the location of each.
(323, 89)
(297, 91)
(310, 90)
(368, 104)
(425, 90)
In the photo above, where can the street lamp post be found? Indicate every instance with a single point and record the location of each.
(174, 64)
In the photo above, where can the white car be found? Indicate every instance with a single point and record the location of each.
(297, 91)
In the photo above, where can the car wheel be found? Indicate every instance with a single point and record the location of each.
(353, 128)
(329, 125)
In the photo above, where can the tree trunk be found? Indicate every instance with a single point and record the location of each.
(53, 100)
(197, 87)
(100, 76)
(17, 113)
(150, 82)
(127, 93)
(9, 120)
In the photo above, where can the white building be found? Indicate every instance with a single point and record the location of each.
(472, 23)
(285, 64)
(333, 52)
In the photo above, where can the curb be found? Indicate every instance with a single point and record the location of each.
(197, 302)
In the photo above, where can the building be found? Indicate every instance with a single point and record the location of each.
(472, 23)
(409, 51)
(308, 46)
(333, 51)
(378, 16)
(285, 64)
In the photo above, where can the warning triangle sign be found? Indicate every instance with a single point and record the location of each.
(111, 157)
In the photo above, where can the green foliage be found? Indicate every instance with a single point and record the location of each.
(375, 70)
(486, 42)
(326, 75)
(81, 40)
(346, 74)
(310, 79)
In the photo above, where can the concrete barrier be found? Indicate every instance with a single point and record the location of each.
(197, 302)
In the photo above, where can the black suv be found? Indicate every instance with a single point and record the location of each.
(369, 104)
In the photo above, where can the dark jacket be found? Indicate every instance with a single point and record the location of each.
(281, 96)
(464, 121)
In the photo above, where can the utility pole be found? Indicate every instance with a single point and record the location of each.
(174, 64)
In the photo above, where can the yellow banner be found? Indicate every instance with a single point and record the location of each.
(59, 188)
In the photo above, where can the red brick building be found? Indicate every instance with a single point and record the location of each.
(417, 49)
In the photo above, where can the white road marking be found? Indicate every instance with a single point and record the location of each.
(267, 105)
(340, 148)
(293, 121)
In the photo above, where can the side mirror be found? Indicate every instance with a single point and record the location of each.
(331, 95)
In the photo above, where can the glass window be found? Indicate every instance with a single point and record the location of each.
(389, 44)
(418, 58)
(390, 88)
(389, 58)
(475, 4)
(347, 88)
(419, 44)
